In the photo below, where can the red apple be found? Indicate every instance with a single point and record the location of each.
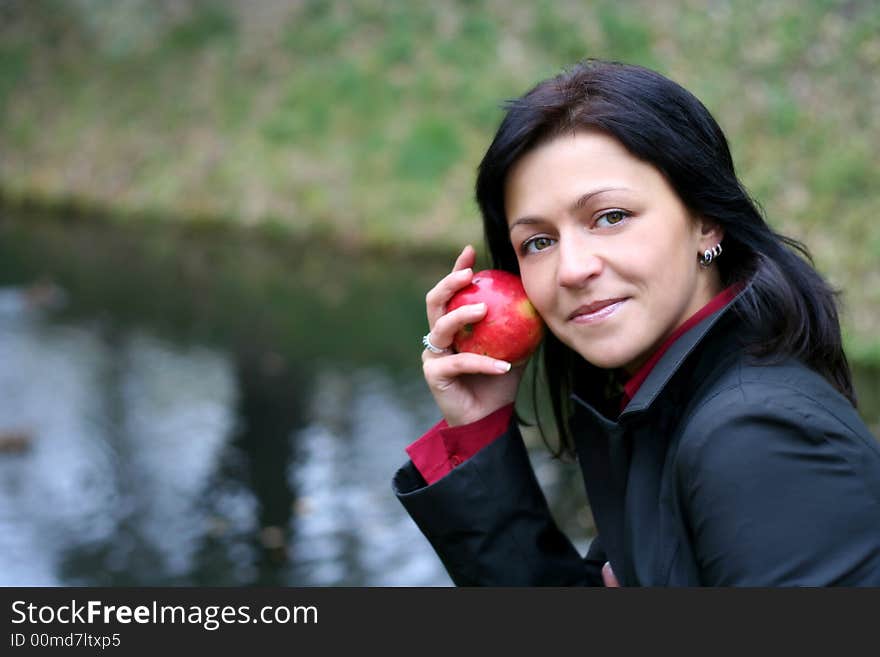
(511, 330)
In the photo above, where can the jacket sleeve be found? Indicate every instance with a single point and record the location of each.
(782, 493)
(489, 522)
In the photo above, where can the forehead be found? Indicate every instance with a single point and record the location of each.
(573, 164)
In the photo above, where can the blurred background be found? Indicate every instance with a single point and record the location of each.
(218, 221)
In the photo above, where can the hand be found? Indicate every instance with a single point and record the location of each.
(465, 386)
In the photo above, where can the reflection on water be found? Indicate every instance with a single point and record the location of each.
(123, 436)
(344, 530)
(149, 463)
(175, 415)
(61, 492)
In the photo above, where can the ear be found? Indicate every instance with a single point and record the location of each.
(711, 233)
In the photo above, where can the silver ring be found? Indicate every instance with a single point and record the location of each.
(426, 341)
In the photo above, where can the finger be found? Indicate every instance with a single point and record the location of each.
(460, 276)
(440, 373)
(446, 326)
(608, 576)
(466, 258)
(439, 295)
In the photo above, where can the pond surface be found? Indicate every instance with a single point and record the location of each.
(182, 407)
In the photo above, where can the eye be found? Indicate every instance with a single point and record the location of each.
(537, 243)
(611, 218)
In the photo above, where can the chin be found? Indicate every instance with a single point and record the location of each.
(607, 359)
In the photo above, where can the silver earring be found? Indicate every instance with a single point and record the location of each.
(710, 254)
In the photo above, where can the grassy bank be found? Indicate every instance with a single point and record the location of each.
(363, 121)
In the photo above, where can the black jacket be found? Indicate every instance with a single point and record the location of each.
(719, 471)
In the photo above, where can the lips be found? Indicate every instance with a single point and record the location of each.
(594, 307)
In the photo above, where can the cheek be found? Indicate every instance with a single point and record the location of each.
(537, 289)
(668, 264)
(533, 290)
(672, 287)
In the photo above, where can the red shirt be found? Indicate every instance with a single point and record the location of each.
(444, 447)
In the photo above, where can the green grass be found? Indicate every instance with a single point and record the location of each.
(364, 120)
(13, 66)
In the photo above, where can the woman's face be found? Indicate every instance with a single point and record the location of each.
(607, 251)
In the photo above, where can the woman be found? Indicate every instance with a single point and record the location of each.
(693, 360)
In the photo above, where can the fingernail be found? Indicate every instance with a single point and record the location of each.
(467, 270)
(502, 366)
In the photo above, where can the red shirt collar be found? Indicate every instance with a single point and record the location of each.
(717, 303)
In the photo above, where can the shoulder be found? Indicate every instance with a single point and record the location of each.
(779, 481)
(755, 415)
(787, 391)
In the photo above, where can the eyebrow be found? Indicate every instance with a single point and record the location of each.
(577, 205)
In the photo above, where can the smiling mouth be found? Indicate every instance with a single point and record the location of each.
(596, 310)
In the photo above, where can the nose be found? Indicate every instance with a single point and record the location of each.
(578, 261)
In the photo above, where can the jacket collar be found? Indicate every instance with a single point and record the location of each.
(668, 365)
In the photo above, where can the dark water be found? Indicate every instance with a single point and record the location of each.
(181, 407)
